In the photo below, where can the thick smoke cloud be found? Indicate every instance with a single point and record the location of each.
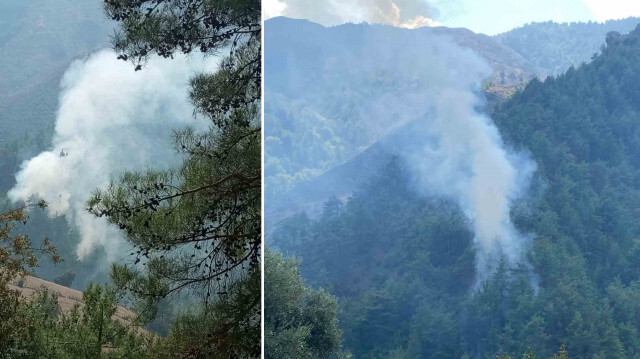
(111, 119)
(400, 13)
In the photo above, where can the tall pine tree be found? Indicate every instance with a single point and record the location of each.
(197, 229)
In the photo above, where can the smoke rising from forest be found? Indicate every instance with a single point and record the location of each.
(422, 95)
(464, 159)
(110, 119)
(452, 149)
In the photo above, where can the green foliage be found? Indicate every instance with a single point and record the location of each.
(17, 259)
(87, 331)
(300, 322)
(202, 221)
(196, 230)
(561, 354)
(220, 329)
(36, 328)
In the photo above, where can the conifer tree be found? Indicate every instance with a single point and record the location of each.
(197, 229)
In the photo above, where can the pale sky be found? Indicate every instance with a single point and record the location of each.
(484, 16)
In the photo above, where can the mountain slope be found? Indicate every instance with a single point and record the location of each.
(552, 47)
(39, 36)
(38, 40)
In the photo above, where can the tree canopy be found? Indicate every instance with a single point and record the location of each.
(300, 322)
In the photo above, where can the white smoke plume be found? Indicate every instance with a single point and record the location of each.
(464, 159)
(399, 13)
(453, 149)
(110, 119)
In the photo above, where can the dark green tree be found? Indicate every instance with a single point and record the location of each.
(300, 322)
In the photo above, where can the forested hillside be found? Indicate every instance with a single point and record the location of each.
(402, 265)
(556, 47)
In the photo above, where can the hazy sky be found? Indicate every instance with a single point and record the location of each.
(484, 16)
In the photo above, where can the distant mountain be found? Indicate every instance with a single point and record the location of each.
(39, 36)
(555, 47)
(509, 67)
(38, 40)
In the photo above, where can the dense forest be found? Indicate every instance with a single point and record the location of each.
(402, 266)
